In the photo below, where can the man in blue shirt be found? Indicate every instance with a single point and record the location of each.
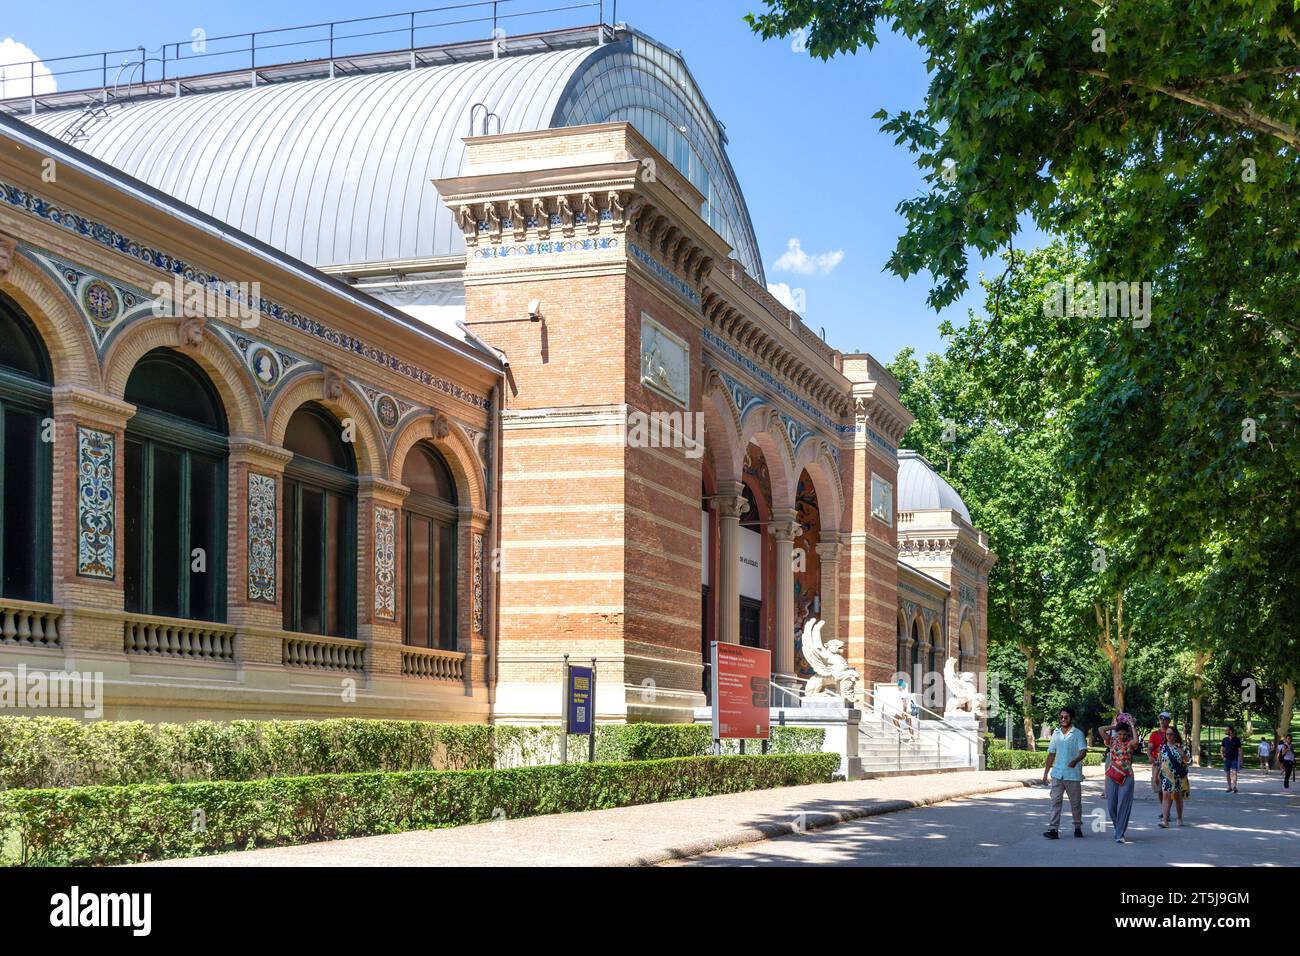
(1065, 756)
(1231, 747)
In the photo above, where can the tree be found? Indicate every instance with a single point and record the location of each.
(1159, 140)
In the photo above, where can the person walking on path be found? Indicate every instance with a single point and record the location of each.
(1065, 756)
(1171, 761)
(1231, 747)
(1286, 757)
(1265, 755)
(1122, 742)
(1154, 743)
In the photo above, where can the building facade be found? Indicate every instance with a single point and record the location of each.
(377, 394)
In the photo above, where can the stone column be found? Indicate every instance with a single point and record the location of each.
(730, 504)
(784, 530)
(829, 552)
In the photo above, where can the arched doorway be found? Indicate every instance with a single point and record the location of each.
(807, 566)
(25, 457)
(175, 491)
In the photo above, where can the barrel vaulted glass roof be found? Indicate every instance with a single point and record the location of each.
(338, 171)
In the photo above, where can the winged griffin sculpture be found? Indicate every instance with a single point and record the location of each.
(962, 694)
(832, 675)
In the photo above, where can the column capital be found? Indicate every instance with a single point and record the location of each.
(259, 454)
(382, 490)
(91, 407)
(729, 506)
(828, 550)
(784, 529)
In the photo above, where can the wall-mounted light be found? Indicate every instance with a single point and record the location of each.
(535, 310)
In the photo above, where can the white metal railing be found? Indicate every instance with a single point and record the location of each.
(27, 624)
(432, 664)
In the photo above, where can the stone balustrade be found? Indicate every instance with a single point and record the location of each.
(324, 653)
(190, 640)
(26, 624)
(431, 664)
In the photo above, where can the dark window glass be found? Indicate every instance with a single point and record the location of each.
(418, 568)
(21, 349)
(22, 523)
(313, 433)
(312, 567)
(204, 489)
(175, 491)
(447, 587)
(168, 382)
(289, 586)
(425, 473)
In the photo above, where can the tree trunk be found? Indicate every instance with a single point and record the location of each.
(1027, 699)
(1284, 713)
(1198, 684)
(1114, 651)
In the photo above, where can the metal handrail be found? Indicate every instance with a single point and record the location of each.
(99, 61)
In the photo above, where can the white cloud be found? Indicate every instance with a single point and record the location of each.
(16, 74)
(794, 259)
(793, 299)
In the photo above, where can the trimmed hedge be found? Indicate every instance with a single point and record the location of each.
(999, 759)
(42, 752)
(83, 826)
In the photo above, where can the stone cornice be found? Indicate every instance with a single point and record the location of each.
(83, 403)
(259, 453)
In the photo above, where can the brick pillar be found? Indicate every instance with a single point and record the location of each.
(475, 622)
(829, 553)
(255, 571)
(379, 542)
(89, 501)
(784, 529)
(730, 505)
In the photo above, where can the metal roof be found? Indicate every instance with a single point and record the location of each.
(921, 488)
(331, 171)
(339, 170)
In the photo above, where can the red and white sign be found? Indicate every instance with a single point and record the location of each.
(741, 692)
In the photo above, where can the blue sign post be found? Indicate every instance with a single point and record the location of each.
(579, 707)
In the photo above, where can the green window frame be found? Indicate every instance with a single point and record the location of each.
(430, 545)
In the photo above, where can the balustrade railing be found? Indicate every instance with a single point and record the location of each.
(325, 653)
(26, 624)
(191, 640)
(432, 664)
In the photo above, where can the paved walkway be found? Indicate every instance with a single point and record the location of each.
(632, 836)
(1257, 827)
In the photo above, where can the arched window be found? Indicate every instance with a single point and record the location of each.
(320, 526)
(900, 644)
(914, 661)
(430, 517)
(175, 490)
(936, 648)
(25, 457)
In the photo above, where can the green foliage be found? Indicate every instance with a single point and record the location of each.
(999, 758)
(84, 826)
(43, 752)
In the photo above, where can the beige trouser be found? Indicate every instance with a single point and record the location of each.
(1059, 789)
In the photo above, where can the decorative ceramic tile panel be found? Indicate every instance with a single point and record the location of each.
(96, 530)
(385, 563)
(261, 538)
(477, 565)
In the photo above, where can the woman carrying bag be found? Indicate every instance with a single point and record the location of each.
(1172, 761)
(1122, 741)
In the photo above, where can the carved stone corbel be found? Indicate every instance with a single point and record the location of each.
(441, 426)
(190, 332)
(565, 212)
(542, 216)
(591, 212)
(493, 219)
(633, 212)
(468, 223)
(614, 202)
(333, 386)
(517, 220)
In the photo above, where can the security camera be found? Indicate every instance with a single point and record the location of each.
(535, 310)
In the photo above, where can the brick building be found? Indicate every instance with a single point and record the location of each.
(375, 394)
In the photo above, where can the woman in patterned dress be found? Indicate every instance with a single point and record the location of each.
(1122, 740)
(1173, 770)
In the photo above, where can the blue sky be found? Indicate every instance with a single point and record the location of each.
(813, 165)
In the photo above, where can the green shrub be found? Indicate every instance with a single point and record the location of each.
(82, 826)
(41, 752)
(1000, 759)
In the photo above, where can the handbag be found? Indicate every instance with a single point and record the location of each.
(1115, 774)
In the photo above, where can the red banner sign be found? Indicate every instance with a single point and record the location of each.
(741, 692)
